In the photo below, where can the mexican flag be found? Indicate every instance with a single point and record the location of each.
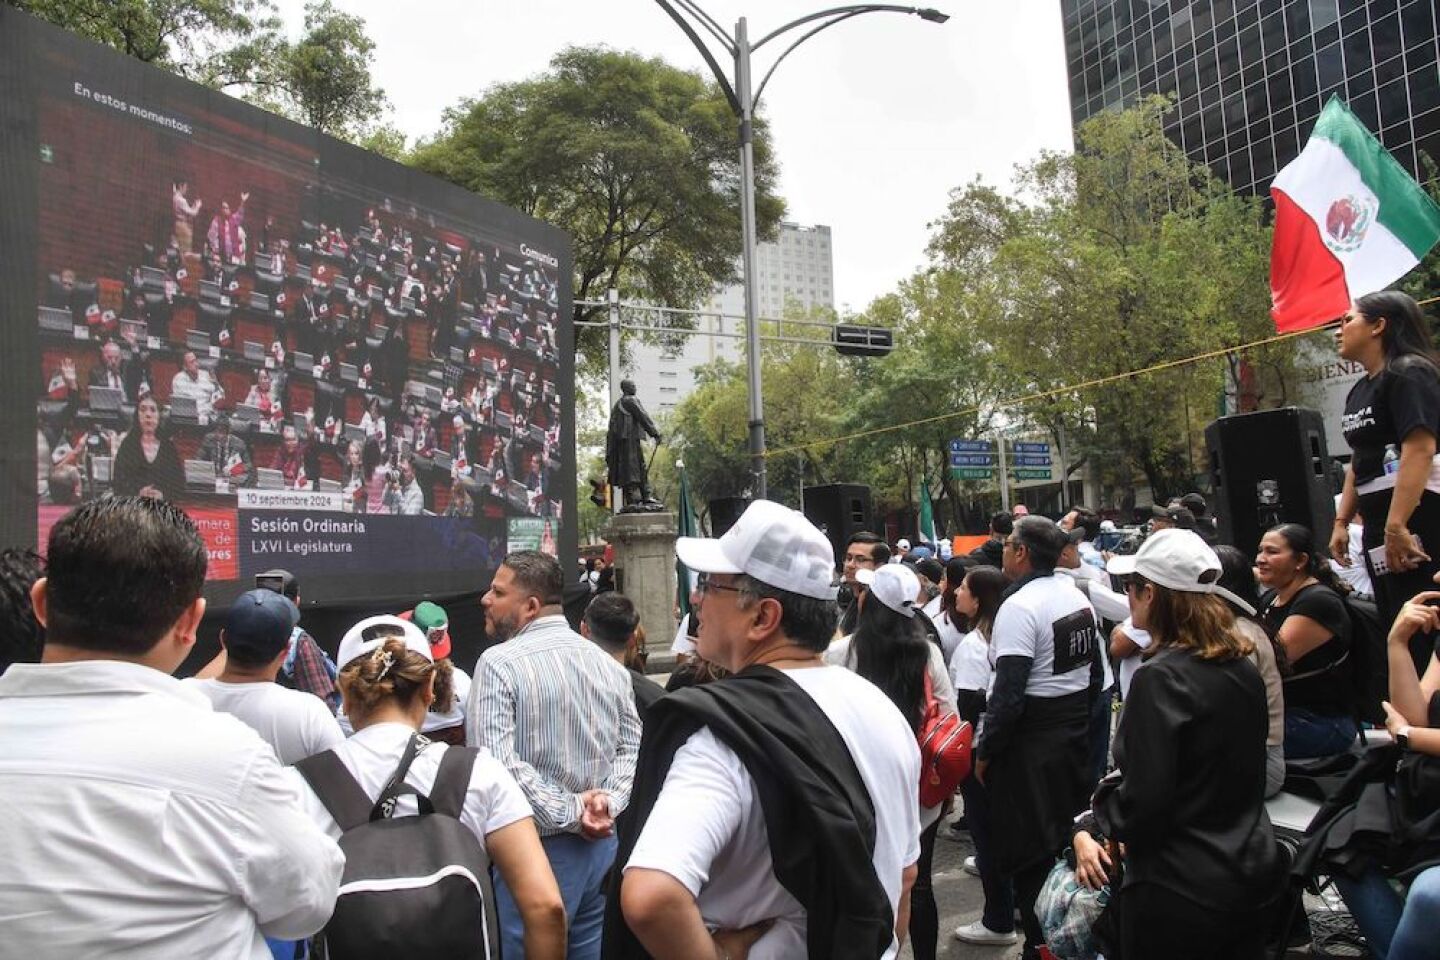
(927, 514)
(1349, 220)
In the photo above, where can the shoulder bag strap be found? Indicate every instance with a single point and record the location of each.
(452, 783)
(336, 788)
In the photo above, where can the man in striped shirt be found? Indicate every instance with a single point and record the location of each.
(560, 715)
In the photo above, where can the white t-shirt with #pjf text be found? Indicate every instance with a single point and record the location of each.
(295, 724)
(493, 801)
(707, 828)
(1048, 621)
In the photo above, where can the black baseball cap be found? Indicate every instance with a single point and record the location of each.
(259, 623)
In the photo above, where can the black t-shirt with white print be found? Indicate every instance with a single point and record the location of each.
(1381, 410)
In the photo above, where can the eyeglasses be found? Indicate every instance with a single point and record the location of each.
(1131, 583)
(858, 558)
(704, 585)
(1012, 543)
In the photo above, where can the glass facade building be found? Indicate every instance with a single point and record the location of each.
(1249, 77)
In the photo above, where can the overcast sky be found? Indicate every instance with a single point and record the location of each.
(875, 120)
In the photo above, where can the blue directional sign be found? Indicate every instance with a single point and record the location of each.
(972, 459)
(1031, 447)
(1030, 460)
(970, 446)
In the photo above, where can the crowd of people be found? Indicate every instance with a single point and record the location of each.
(778, 798)
(268, 347)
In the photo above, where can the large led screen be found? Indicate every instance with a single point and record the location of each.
(334, 364)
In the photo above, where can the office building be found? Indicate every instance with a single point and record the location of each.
(796, 270)
(1249, 77)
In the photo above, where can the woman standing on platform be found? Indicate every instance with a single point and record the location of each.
(1392, 417)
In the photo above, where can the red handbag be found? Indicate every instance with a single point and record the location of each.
(945, 744)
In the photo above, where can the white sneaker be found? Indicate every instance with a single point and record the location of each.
(977, 932)
(971, 867)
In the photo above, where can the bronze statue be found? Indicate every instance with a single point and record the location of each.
(625, 454)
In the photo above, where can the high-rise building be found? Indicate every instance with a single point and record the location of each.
(1249, 77)
(797, 269)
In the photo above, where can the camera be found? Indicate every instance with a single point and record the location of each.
(392, 475)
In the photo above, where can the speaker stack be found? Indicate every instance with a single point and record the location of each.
(724, 511)
(840, 510)
(1267, 468)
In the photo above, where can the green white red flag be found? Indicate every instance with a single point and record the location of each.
(1349, 220)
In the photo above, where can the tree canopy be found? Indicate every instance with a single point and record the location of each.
(637, 160)
(322, 79)
(1120, 256)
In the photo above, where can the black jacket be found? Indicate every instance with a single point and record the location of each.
(1190, 803)
(818, 814)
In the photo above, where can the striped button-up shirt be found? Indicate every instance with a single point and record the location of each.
(559, 713)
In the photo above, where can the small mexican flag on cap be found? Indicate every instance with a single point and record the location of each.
(1349, 220)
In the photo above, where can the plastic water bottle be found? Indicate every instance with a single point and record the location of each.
(1392, 459)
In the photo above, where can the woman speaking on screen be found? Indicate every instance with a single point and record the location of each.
(1392, 417)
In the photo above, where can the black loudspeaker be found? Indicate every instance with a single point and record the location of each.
(724, 511)
(1270, 467)
(839, 510)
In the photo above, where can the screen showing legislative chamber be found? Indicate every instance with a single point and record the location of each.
(334, 364)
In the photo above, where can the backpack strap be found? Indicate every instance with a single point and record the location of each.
(336, 788)
(396, 786)
(452, 782)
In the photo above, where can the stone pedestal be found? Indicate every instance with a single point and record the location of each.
(645, 572)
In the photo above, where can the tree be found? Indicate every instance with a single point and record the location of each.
(322, 79)
(1121, 256)
(194, 38)
(635, 159)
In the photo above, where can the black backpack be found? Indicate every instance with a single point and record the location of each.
(413, 886)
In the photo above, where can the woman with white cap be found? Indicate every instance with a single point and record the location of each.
(445, 718)
(891, 649)
(1185, 808)
(388, 680)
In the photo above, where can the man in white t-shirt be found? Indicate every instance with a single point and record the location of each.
(1033, 750)
(706, 871)
(256, 638)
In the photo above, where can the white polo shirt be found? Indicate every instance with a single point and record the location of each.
(707, 829)
(141, 823)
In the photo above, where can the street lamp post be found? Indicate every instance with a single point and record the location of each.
(743, 102)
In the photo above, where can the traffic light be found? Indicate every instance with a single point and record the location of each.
(853, 340)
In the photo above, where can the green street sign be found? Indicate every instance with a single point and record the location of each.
(1022, 473)
(972, 473)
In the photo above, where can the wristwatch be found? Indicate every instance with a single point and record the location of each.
(1402, 737)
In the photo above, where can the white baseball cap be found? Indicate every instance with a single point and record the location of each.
(902, 544)
(354, 644)
(894, 584)
(1179, 560)
(772, 543)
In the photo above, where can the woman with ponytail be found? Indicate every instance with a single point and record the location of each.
(388, 680)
